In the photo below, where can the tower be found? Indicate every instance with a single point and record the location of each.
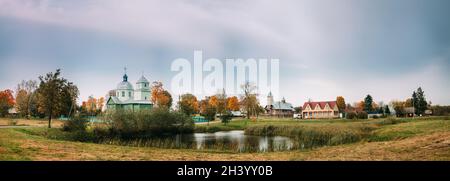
(124, 90)
(270, 99)
(142, 91)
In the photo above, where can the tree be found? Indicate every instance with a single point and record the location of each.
(249, 99)
(419, 102)
(233, 103)
(26, 102)
(298, 109)
(6, 101)
(188, 104)
(399, 107)
(213, 102)
(359, 106)
(67, 104)
(387, 111)
(221, 104)
(340, 101)
(210, 113)
(368, 104)
(161, 97)
(54, 93)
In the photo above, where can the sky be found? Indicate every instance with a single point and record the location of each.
(326, 48)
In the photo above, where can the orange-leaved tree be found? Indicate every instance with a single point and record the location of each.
(6, 101)
(233, 103)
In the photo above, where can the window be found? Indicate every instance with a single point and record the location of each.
(123, 93)
(129, 94)
(145, 98)
(145, 85)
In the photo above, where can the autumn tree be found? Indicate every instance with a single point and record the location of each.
(54, 93)
(213, 102)
(221, 104)
(233, 103)
(161, 97)
(26, 100)
(6, 101)
(249, 99)
(188, 104)
(340, 101)
(399, 107)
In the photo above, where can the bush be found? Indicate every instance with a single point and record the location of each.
(351, 115)
(375, 117)
(75, 124)
(155, 122)
(362, 115)
(225, 118)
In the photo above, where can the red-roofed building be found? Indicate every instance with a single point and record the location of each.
(317, 110)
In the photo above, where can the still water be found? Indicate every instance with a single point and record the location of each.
(235, 140)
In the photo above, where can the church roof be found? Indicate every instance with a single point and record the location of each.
(116, 100)
(282, 105)
(124, 85)
(142, 80)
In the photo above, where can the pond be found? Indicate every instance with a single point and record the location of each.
(238, 141)
(222, 140)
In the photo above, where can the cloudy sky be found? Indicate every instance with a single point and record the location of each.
(327, 48)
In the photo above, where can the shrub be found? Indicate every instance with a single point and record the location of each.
(375, 117)
(362, 115)
(225, 118)
(351, 115)
(75, 124)
(155, 122)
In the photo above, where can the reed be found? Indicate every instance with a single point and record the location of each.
(310, 136)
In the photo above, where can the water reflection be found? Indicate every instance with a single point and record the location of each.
(235, 140)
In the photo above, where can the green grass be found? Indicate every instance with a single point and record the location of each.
(409, 129)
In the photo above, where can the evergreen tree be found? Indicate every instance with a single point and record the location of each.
(387, 111)
(368, 102)
(421, 103)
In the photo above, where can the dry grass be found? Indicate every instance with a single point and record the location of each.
(430, 147)
(30, 122)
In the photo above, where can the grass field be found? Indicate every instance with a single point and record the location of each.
(400, 139)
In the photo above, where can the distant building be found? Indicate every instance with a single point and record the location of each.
(317, 110)
(126, 97)
(279, 108)
(409, 111)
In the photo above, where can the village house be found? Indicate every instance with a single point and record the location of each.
(317, 110)
(279, 108)
(126, 97)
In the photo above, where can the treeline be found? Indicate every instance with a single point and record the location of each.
(51, 96)
(221, 105)
(416, 105)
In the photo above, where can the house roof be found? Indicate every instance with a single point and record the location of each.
(321, 104)
(282, 105)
